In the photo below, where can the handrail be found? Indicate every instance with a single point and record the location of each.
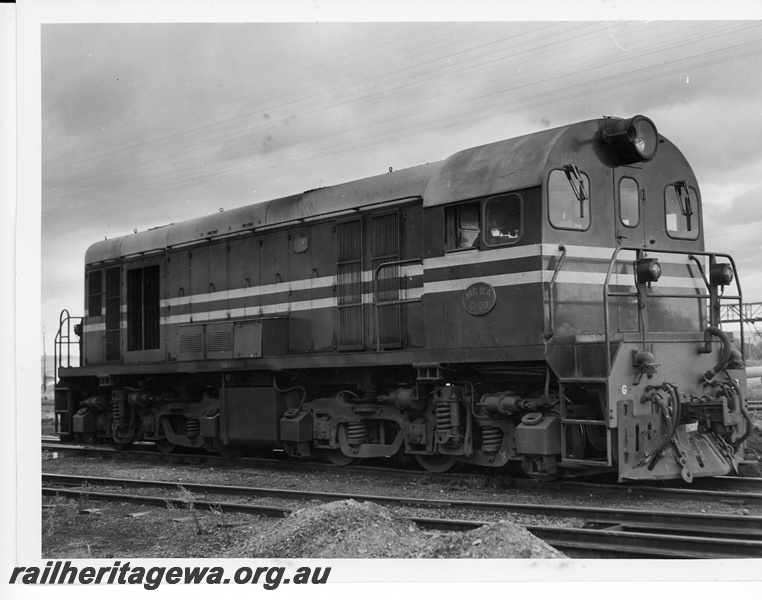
(700, 268)
(377, 304)
(60, 339)
(639, 252)
(63, 339)
(551, 286)
(742, 318)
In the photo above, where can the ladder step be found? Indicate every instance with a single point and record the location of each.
(583, 422)
(607, 461)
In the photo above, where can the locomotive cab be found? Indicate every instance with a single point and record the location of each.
(674, 398)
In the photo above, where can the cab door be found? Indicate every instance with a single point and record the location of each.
(630, 207)
(630, 231)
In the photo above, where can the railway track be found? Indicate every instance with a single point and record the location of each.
(616, 531)
(741, 491)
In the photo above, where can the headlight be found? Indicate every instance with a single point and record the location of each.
(635, 139)
(647, 270)
(721, 274)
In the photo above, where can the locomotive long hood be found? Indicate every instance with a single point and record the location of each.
(333, 201)
(512, 164)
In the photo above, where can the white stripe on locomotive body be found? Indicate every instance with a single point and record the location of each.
(468, 257)
(272, 309)
(252, 291)
(547, 251)
(574, 277)
(450, 260)
(449, 285)
(250, 311)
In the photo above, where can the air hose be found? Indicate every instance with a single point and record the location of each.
(744, 412)
(726, 348)
(670, 389)
(293, 411)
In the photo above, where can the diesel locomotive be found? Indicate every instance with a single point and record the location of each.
(544, 302)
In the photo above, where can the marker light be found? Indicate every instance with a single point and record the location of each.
(645, 362)
(635, 139)
(647, 270)
(720, 274)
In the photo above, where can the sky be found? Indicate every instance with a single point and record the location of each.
(149, 124)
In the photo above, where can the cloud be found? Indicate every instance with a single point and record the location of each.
(745, 209)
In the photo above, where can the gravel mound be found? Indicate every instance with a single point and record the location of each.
(497, 540)
(350, 529)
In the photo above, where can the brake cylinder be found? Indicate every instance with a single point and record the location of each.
(505, 403)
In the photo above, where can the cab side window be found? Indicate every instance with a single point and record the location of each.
(681, 210)
(502, 220)
(569, 199)
(462, 226)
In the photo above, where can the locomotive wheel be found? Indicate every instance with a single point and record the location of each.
(541, 468)
(228, 452)
(543, 476)
(338, 458)
(596, 437)
(118, 445)
(575, 442)
(165, 446)
(436, 463)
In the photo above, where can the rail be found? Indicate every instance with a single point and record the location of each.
(399, 301)
(63, 341)
(631, 532)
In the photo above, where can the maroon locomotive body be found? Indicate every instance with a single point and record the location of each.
(544, 301)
